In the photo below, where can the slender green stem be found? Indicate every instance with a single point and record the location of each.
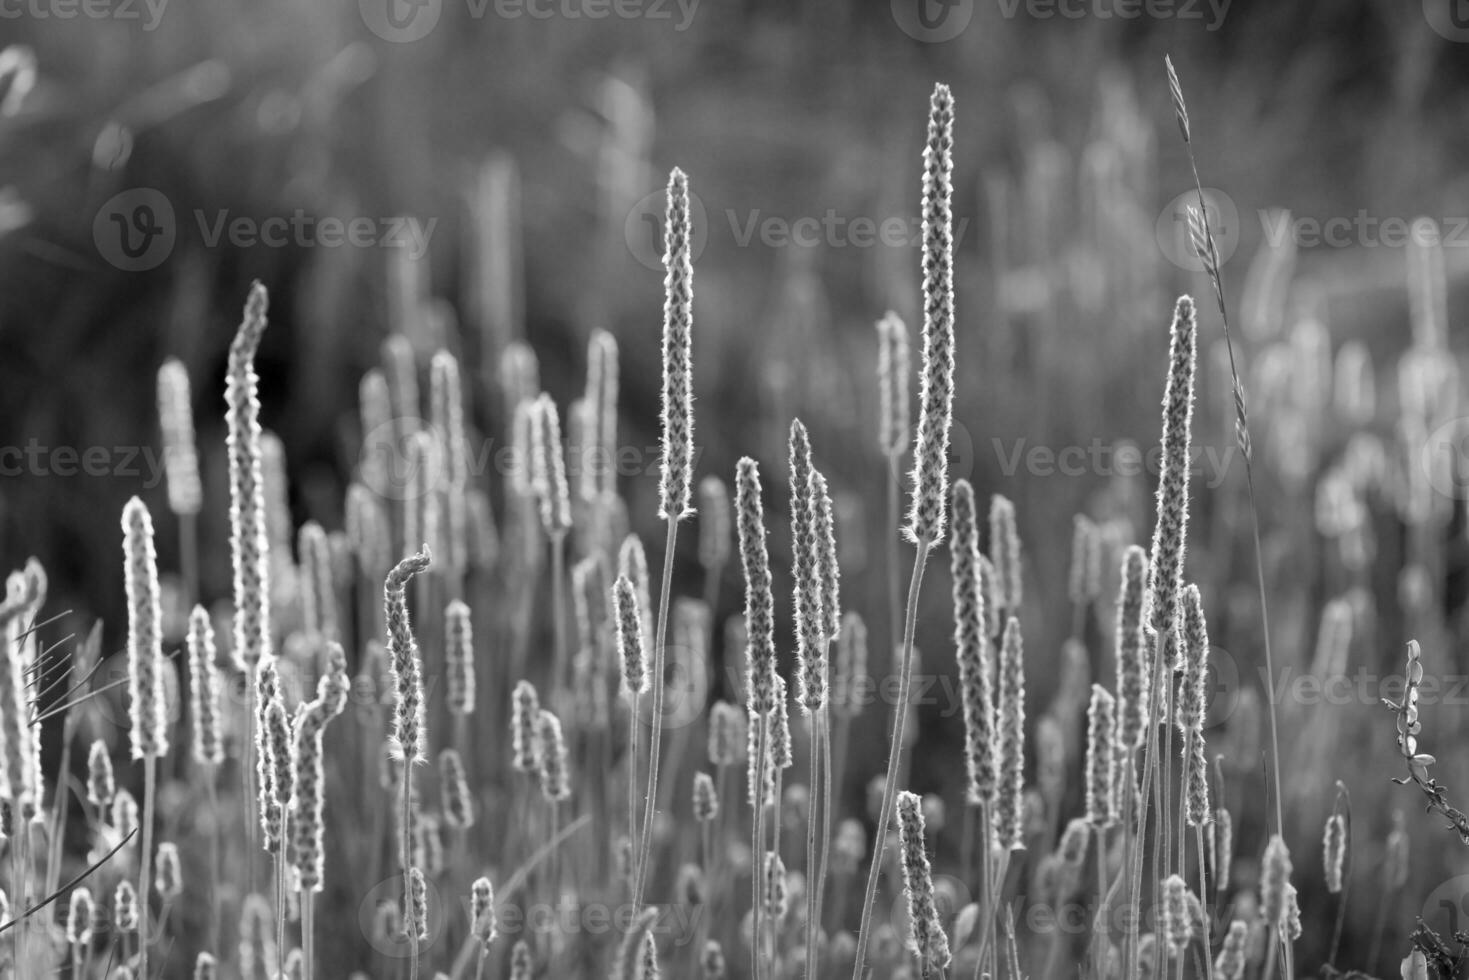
(281, 945)
(405, 851)
(826, 803)
(308, 931)
(189, 557)
(558, 614)
(210, 773)
(60, 805)
(757, 841)
(1346, 878)
(18, 876)
(632, 792)
(1150, 762)
(895, 748)
(145, 862)
(1001, 871)
(895, 591)
(250, 810)
(655, 719)
(1204, 901)
(813, 873)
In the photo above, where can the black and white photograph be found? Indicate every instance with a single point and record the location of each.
(734, 490)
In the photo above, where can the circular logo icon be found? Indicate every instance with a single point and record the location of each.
(643, 228)
(403, 459)
(392, 890)
(1446, 909)
(932, 21)
(950, 896)
(400, 21)
(1449, 19)
(1221, 687)
(685, 692)
(1172, 228)
(135, 230)
(1444, 458)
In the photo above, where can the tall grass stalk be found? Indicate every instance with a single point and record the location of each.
(408, 734)
(676, 484)
(930, 451)
(1208, 254)
(249, 541)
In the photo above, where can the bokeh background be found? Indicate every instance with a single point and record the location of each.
(531, 148)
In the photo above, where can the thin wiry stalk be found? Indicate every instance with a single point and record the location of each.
(890, 780)
(655, 718)
(1209, 256)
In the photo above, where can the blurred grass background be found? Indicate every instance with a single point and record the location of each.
(1067, 155)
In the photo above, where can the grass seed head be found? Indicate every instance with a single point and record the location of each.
(806, 572)
(759, 601)
(971, 648)
(553, 768)
(926, 939)
(482, 922)
(459, 659)
(1274, 879)
(936, 392)
(1101, 795)
(1004, 554)
(894, 422)
(454, 791)
(1170, 532)
(1010, 722)
(148, 709)
(168, 877)
(1333, 851)
(1134, 672)
(125, 907)
(525, 740)
(706, 799)
(849, 666)
(714, 524)
(409, 736)
(204, 689)
(249, 540)
(81, 912)
(630, 636)
(101, 785)
(678, 372)
(176, 422)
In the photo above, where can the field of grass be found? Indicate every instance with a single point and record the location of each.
(1018, 548)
